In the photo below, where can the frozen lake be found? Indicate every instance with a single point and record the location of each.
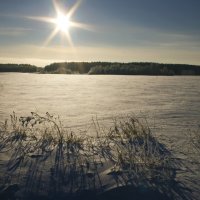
(173, 102)
(170, 103)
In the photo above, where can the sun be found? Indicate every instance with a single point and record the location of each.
(63, 22)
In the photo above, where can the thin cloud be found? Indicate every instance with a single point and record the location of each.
(12, 31)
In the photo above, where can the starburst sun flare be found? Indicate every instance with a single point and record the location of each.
(62, 22)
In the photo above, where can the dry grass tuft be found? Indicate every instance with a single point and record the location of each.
(45, 158)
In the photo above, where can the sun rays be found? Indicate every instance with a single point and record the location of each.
(63, 22)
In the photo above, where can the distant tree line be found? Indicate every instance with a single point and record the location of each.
(146, 69)
(19, 68)
(72, 67)
(134, 68)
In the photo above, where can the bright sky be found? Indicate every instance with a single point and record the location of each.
(165, 31)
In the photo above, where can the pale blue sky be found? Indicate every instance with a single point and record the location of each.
(119, 30)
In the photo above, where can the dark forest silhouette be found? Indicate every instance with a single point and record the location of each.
(134, 68)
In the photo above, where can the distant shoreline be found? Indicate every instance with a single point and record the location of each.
(106, 68)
